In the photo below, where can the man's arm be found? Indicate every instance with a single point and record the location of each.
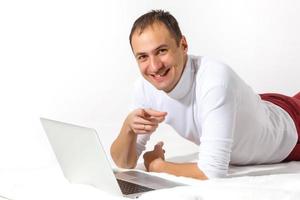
(155, 162)
(123, 149)
(139, 121)
(178, 169)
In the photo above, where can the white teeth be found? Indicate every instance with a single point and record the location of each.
(159, 75)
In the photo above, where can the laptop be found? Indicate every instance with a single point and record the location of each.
(83, 160)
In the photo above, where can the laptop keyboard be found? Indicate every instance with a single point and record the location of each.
(131, 188)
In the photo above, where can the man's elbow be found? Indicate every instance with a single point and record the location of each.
(122, 162)
(126, 165)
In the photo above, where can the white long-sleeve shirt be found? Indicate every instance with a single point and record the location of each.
(214, 108)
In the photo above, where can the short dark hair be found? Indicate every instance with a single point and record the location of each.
(153, 16)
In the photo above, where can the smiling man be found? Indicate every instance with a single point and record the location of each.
(161, 59)
(206, 103)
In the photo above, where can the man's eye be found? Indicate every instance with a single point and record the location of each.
(142, 58)
(162, 51)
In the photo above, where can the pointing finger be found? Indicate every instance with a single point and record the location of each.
(155, 113)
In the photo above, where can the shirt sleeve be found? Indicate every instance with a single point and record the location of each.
(217, 114)
(139, 100)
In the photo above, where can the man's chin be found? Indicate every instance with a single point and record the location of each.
(162, 88)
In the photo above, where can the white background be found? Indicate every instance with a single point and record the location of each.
(71, 61)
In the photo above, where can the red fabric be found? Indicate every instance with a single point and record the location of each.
(297, 96)
(292, 106)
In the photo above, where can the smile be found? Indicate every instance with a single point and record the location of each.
(160, 75)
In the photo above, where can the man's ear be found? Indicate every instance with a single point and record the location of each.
(184, 44)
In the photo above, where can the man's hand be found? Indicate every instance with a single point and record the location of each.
(144, 121)
(139, 121)
(157, 153)
(154, 161)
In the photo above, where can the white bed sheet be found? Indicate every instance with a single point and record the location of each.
(277, 181)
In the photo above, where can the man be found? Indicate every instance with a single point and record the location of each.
(206, 103)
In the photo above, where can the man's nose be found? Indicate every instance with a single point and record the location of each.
(155, 63)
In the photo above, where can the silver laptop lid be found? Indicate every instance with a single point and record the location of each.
(81, 155)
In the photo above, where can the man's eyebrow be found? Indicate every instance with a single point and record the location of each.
(159, 47)
(139, 54)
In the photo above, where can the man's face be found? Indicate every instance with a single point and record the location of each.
(160, 59)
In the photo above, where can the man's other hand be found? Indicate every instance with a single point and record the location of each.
(158, 153)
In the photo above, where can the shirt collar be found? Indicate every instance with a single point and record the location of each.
(185, 82)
